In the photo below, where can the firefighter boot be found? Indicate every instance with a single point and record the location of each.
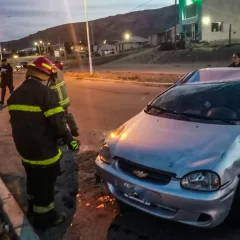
(30, 203)
(60, 218)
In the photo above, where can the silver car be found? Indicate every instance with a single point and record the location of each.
(179, 158)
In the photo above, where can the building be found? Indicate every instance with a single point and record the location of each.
(131, 43)
(105, 49)
(209, 20)
(79, 48)
(163, 37)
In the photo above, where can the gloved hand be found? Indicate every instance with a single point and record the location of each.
(74, 145)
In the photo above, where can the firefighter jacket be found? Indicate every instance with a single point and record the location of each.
(60, 87)
(6, 74)
(37, 121)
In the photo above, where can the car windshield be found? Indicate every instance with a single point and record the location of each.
(206, 102)
(214, 75)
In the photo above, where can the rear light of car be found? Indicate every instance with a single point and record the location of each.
(61, 63)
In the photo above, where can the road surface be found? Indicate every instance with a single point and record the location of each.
(99, 108)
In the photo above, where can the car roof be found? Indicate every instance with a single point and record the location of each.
(214, 75)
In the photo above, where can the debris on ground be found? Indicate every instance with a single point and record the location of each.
(5, 233)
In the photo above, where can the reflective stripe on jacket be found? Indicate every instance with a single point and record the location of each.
(37, 121)
(60, 87)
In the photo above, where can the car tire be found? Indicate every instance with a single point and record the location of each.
(124, 208)
(233, 217)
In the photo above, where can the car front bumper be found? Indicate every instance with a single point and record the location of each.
(170, 201)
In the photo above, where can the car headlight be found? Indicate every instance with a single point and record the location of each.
(105, 154)
(201, 181)
(117, 132)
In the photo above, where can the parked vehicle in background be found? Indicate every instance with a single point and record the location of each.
(179, 158)
(21, 66)
(58, 64)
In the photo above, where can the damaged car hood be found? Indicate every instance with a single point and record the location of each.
(173, 145)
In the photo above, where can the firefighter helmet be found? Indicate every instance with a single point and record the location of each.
(44, 65)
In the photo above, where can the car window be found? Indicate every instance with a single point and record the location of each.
(212, 75)
(203, 100)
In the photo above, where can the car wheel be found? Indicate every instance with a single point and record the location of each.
(234, 215)
(124, 208)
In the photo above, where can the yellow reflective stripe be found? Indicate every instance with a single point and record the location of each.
(65, 101)
(44, 162)
(60, 94)
(24, 108)
(47, 66)
(58, 85)
(53, 111)
(32, 64)
(41, 210)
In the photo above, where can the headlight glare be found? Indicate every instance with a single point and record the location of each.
(201, 181)
(105, 154)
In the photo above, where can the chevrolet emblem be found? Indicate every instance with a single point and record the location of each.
(140, 174)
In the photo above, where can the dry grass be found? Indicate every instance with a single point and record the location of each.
(127, 76)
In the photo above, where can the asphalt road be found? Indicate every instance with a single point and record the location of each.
(99, 108)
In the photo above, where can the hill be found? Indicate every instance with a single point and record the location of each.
(140, 23)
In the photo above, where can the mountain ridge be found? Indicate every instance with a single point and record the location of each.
(138, 23)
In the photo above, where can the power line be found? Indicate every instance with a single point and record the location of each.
(141, 5)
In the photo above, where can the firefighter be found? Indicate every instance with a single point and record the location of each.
(58, 84)
(38, 121)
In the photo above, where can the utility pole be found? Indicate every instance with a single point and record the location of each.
(88, 38)
(92, 37)
(1, 51)
(176, 22)
(230, 34)
(59, 45)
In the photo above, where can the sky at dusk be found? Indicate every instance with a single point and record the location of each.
(20, 18)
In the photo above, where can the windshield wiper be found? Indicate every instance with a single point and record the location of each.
(202, 117)
(161, 110)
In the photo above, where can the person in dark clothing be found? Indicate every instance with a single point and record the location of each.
(235, 60)
(38, 121)
(6, 79)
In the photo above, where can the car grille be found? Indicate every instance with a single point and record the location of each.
(146, 173)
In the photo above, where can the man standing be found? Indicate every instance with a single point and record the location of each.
(38, 121)
(58, 84)
(235, 60)
(6, 79)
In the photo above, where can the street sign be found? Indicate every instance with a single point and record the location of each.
(57, 53)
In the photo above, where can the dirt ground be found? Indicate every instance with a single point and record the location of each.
(127, 76)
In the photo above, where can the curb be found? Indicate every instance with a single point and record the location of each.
(154, 84)
(14, 216)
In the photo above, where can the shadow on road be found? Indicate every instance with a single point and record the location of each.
(66, 190)
(136, 225)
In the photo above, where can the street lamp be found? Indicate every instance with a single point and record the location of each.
(4, 49)
(105, 41)
(40, 42)
(206, 20)
(88, 38)
(36, 44)
(127, 36)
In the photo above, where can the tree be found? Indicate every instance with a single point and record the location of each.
(67, 47)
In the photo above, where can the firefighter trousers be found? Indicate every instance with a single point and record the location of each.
(4, 86)
(71, 123)
(40, 186)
